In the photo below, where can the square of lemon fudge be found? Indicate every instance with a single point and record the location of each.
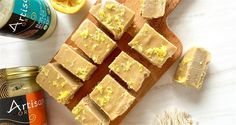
(111, 97)
(152, 45)
(87, 113)
(70, 59)
(93, 41)
(57, 83)
(114, 16)
(153, 8)
(129, 70)
(193, 68)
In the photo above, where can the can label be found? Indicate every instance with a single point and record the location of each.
(30, 19)
(23, 110)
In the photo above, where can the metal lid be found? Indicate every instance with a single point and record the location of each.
(12, 74)
(19, 72)
(6, 8)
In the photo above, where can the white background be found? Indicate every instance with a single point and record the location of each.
(206, 23)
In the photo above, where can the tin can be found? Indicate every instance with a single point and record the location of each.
(27, 19)
(21, 99)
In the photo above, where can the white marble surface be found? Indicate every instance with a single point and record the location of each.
(206, 23)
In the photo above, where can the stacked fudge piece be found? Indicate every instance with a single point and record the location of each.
(153, 8)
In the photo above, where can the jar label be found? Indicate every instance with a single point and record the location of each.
(30, 19)
(23, 110)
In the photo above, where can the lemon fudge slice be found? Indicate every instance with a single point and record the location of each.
(93, 41)
(193, 67)
(152, 45)
(74, 62)
(114, 16)
(153, 8)
(58, 83)
(87, 113)
(113, 99)
(129, 70)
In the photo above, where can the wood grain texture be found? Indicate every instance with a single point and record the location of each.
(160, 25)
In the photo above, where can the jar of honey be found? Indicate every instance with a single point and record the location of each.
(21, 99)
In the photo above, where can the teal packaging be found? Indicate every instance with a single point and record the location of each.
(29, 19)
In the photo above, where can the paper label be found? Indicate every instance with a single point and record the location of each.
(23, 110)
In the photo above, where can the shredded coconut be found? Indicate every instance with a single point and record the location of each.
(174, 117)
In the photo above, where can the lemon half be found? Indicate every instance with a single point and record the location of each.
(68, 6)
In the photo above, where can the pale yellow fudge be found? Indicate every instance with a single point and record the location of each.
(93, 41)
(70, 59)
(129, 70)
(87, 113)
(57, 83)
(153, 8)
(153, 46)
(193, 67)
(114, 16)
(111, 97)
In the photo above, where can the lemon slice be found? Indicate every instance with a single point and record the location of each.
(68, 6)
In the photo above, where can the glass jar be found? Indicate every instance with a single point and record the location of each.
(27, 19)
(21, 98)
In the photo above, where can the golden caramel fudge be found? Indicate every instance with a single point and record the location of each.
(193, 67)
(153, 46)
(153, 8)
(129, 70)
(88, 114)
(74, 62)
(93, 41)
(111, 97)
(114, 16)
(57, 83)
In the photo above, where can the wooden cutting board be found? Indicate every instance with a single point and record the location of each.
(160, 25)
